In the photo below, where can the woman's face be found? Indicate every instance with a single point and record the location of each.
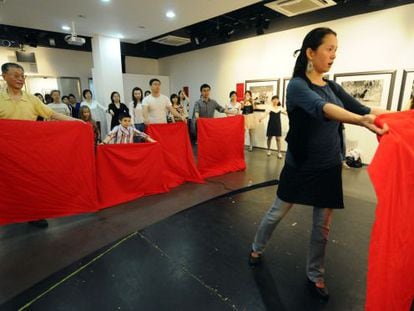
(247, 95)
(88, 95)
(324, 56)
(174, 100)
(275, 101)
(116, 98)
(233, 97)
(137, 94)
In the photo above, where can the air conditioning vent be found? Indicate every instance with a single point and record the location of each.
(172, 40)
(296, 7)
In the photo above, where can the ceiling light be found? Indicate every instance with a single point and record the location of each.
(170, 14)
(106, 1)
(65, 28)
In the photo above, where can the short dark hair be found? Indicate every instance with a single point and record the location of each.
(86, 91)
(154, 80)
(6, 66)
(71, 95)
(65, 96)
(123, 116)
(274, 97)
(232, 93)
(205, 86)
(53, 91)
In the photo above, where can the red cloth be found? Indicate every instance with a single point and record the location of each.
(220, 145)
(47, 169)
(390, 282)
(129, 171)
(178, 155)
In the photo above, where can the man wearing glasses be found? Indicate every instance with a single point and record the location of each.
(18, 105)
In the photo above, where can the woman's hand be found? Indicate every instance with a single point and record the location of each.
(368, 122)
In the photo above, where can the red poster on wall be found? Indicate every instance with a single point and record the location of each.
(240, 91)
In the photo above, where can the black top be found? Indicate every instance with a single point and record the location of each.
(313, 140)
(247, 109)
(123, 109)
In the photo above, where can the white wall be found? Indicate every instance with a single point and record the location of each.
(67, 63)
(139, 65)
(54, 62)
(142, 81)
(380, 40)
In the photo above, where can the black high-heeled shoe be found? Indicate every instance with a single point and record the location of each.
(254, 261)
(319, 292)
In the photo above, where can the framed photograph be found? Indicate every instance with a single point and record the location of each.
(372, 88)
(407, 89)
(262, 91)
(285, 84)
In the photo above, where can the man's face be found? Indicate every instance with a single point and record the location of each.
(14, 78)
(125, 122)
(155, 87)
(205, 92)
(72, 100)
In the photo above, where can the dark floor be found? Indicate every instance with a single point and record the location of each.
(194, 260)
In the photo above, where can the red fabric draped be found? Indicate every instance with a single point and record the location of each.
(178, 155)
(129, 171)
(220, 145)
(390, 283)
(47, 169)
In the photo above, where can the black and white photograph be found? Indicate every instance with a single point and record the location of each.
(407, 89)
(262, 91)
(373, 89)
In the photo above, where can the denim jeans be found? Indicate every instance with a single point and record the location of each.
(322, 218)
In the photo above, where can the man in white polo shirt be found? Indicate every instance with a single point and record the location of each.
(156, 106)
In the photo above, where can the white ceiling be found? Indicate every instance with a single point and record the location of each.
(117, 17)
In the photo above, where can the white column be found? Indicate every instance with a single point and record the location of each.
(107, 71)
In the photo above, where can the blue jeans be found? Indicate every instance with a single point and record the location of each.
(140, 127)
(322, 218)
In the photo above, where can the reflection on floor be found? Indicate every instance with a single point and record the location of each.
(196, 259)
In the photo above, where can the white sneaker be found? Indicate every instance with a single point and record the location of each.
(279, 155)
(268, 153)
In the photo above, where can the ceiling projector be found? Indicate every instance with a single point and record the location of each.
(74, 40)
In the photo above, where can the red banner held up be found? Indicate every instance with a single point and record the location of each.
(47, 170)
(220, 145)
(390, 280)
(129, 171)
(178, 155)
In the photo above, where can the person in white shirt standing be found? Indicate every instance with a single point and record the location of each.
(135, 108)
(156, 106)
(57, 105)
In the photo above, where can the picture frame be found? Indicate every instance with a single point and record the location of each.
(262, 91)
(371, 88)
(285, 84)
(407, 88)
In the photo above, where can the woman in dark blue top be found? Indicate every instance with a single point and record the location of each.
(312, 171)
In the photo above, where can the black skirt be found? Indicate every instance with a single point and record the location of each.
(274, 126)
(320, 188)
